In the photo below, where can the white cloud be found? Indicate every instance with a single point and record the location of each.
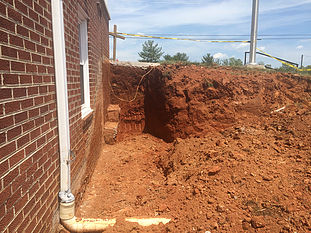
(153, 16)
(240, 45)
(214, 17)
(268, 5)
(220, 56)
(299, 47)
(141, 15)
(262, 47)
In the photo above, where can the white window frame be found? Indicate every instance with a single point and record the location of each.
(84, 61)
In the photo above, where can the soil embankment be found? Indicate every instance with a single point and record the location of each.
(183, 101)
(124, 83)
(232, 152)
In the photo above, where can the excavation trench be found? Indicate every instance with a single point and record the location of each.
(208, 148)
(169, 106)
(176, 101)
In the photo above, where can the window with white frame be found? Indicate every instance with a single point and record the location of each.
(84, 65)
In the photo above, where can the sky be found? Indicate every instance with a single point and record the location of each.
(212, 19)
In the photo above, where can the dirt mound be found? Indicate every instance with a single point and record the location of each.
(189, 100)
(245, 174)
(239, 158)
(247, 163)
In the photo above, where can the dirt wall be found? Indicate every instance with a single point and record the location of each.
(124, 82)
(190, 100)
(179, 101)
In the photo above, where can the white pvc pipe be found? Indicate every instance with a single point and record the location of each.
(62, 99)
(67, 203)
(88, 225)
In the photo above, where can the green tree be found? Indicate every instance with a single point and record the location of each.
(178, 57)
(308, 67)
(181, 57)
(208, 59)
(286, 68)
(168, 57)
(235, 62)
(218, 61)
(151, 52)
(225, 62)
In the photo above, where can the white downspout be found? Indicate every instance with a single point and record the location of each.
(66, 209)
(62, 99)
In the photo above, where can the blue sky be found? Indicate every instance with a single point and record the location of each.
(214, 17)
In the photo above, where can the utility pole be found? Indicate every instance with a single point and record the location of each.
(301, 61)
(115, 36)
(253, 45)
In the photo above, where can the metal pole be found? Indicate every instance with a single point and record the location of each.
(253, 45)
(115, 42)
(301, 61)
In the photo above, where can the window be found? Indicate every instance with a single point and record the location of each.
(84, 65)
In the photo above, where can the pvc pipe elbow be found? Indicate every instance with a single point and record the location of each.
(74, 224)
(87, 225)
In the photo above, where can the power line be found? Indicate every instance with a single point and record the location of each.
(206, 39)
(297, 34)
(289, 38)
(199, 35)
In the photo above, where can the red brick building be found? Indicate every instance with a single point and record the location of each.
(29, 103)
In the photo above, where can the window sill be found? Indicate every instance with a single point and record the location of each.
(85, 111)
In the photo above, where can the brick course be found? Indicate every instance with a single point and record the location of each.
(20, 43)
(29, 157)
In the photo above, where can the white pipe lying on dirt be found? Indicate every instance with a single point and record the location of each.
(278, 110)
(87, 225)
(148, 221)
(67, 202)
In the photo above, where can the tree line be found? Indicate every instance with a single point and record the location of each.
(152, 52)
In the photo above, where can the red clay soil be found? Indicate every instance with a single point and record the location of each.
(124, 82)
(231, 157)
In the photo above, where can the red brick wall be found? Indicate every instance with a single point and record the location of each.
(82, 131)
(29, 158)
(28, 126)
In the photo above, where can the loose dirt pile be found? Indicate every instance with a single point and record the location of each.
(237, 155)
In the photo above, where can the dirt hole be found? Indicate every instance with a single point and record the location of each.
(177, 101)
(229, 160)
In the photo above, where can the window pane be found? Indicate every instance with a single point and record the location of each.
(80, 43)
(82, 84)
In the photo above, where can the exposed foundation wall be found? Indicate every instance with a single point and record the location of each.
(82, 130)
(93, 136)
(29, 150)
